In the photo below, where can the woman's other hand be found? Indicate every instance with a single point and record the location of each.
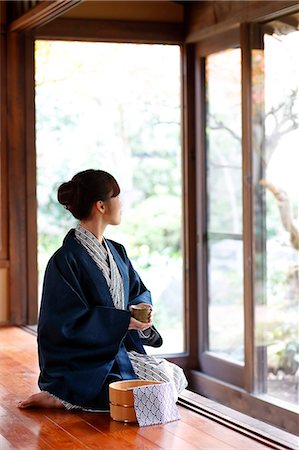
(141, 326)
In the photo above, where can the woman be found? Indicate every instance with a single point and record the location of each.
(87, 337)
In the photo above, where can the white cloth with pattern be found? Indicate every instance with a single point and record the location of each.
(155, 404)
(154, 368)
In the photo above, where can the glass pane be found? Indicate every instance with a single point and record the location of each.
(116, 107)
(224, 146)
(225, 199)
(226, 294)
(224, 204)
(276, 152)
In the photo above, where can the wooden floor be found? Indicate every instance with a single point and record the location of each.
(50, 429)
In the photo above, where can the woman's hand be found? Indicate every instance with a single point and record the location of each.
(136, 324)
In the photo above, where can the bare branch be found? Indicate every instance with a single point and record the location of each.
(219, 125)
(285, 212)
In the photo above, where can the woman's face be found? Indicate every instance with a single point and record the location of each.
(113, 211)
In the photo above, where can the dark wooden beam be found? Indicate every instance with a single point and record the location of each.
(291, 22)
(112, 31)
(205, 19)
(228, 39)
(41, 14)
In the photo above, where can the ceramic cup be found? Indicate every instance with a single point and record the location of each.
(141, 312)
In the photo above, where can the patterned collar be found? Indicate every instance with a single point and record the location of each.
(103, 258)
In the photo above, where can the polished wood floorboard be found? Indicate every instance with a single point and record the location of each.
(59, 429)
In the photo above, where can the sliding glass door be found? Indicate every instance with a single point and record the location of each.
(248, 219)
(275, 107)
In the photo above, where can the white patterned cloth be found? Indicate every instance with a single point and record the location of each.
(154, 368)
(155, 404)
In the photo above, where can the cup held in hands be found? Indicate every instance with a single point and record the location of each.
(141, 312)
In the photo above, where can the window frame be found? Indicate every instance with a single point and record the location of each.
(209, 363)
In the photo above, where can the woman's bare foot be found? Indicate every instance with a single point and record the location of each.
(40, 400)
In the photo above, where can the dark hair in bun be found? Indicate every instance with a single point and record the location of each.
(86, 188)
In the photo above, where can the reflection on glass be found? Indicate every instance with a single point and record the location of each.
(117, 107)
(224, 187)
(276, 156)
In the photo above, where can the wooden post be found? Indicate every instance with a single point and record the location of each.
(16, 177)
(189, 202)
(248, 209)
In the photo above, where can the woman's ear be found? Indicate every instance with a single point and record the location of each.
(100, 206)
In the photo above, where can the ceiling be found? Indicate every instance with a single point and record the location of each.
(148, 11)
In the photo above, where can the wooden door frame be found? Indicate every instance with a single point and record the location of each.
(23, 221)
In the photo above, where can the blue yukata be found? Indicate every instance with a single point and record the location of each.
(83, 339)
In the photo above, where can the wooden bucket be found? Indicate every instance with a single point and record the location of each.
(121, 399)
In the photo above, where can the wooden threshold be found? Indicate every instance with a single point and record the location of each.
(249, 426)
(52, 429)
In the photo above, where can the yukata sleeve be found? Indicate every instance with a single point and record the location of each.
(72, 330)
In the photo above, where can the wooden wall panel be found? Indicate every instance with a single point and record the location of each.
(4, 263)
(17, 178)
(21, 179)
(4, 300)
(3, 166)
(2, 14)
(3, 189)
